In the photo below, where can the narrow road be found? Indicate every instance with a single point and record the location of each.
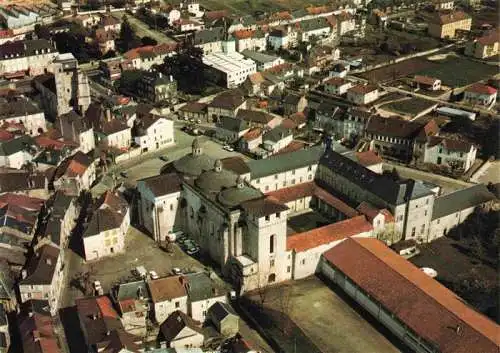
(143, 30)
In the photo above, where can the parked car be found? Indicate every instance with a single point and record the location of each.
(228, 148)
(141, 271)
(176, 271)
(153, 275)
(191, 247)
(164, 158)
(181, 239)
(124, 174)
(98, 288)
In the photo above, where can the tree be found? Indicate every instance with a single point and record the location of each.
(284, 305)
(148, 41)
(127, 39)
(42, 32)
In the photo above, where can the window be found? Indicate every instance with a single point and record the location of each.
(271, 244)
(275, 176)
(425, 213)
(303, 262)
(278, 215)
(427, 201)
(171, 207)
(413, 232)
(288, 269)
(422, 229)
(177, 305)
(268, 218)
(258, 181)
(309, 168)
(267, 188)
(293, 181)
(293, 172)
(271, 263)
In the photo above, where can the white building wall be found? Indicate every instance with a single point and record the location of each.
(120, 139)
(193, 340)
(106, 243)
(441, 226)
(87, 141)
(432, 154)
(198, 310)
(165, 308)
(285, 179)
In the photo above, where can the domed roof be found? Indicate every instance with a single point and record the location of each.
(216, 179)
(235, 195)
(193, 165)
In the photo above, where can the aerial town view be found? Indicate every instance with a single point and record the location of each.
(249, 176)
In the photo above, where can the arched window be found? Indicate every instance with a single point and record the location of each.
(271, 278)
(271, 243)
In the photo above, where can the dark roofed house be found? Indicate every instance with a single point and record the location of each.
(194, 110)
(38, 334)
(258, 118)
(179, 331)
(226, 104)
(42, 277)
(224, 319)
(432, 317)
(294, 103)
(74, 174)
(230, 129)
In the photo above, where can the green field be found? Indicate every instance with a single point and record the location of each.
(458, 71)
(248, 7)
(412, 106)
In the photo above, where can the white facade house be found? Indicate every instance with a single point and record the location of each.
(159, 203)
(480, 94)
(345, 23)
(278, 38)
(337, 86)
(21, 110)
(105, 234)
(455, 154)
(43, 277)
(362, 94)
(155, 133)
(75, 174)
(115, 133)
(31, 56)
(168, 295)
(277, 139)
(16, 152)
(250, 40)
(202, 294)
(181, 332)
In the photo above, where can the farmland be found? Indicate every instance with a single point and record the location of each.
(249, 7)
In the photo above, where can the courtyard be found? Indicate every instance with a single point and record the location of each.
(321, 320)
(306, 221)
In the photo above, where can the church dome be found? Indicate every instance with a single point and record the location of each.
(216, 179)
(194, 163)
(237, 194)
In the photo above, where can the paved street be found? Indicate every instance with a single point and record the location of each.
(150, 164)
(142, 30)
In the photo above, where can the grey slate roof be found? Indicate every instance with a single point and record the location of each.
(392, 192)
(461, 200)
(314, 24)
(201, 287)
(277, 134)
(259, 57)
(284, 162)
(232, 124)
(11, 107)
(131, 290)
(208, 35)
(219, 311)
(13, 146)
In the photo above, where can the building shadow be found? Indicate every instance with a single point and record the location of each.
(74, 335)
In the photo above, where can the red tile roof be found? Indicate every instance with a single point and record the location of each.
(368, 158)
(336, 81)
(21, 201)
(44, 141)
(363, 89)
(243, 34)
(448, 17)
(371, 212)
(252, 134)
(292, 147)
(317, 10)
(167, 288)
(5, 135)
(289, 124)
(328, 234)
(490, 39)
(429, 309)
(481, 89)
(425, 80)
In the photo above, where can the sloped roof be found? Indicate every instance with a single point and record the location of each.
(175, 323)
(42, 266)
(167, 288)
(255, 116)
(328, 234)
(164, 184)
(263, 206)
(227, 100)
(450, 144)
(461, 200)
(481, 89)
(426, 307)
(232, 124)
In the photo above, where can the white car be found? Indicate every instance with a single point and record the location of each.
(176, 271)
(98, 288)
(228, 148)
(153, 275)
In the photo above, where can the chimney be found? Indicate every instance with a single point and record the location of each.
(160, 75)
(48, 261)
(30, 314)
(171, 78)
(108, 114)
(24, 274)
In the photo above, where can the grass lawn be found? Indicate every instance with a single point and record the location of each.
(412, 106)
(248, 7)
(458, 71)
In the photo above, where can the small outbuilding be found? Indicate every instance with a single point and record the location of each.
(225, 320)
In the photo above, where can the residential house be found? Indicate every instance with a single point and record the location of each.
(456, 154)
(337, 86)
(159, 204)
(351, 264)
(362, 94)
(278, 38)
(209, 40)
(318, 28)
(132, 300)
(111, 23)
(397, 138)
(43, 277)
(276, 139)
(230, 129)
(246, 39)
(321, 57)
(297, 120)
(62, 213)
(180, 331)
(17, 152)
(446, 24)
(452, 209)
(109, 223)
(224, 319)
(263, 61)
(345, 23)
(143, 58)
(4, 331)
(105, 40)
(156, 88)
(98, 319)
(203, 293)
(168, 295)
(16, 17)
(294, 103)
(226, 104)
(75, 128)
(443, 5)
(111, 68)
(251, 140)
(27, 56)
(428, 83)
(22, 110)
(253, 84)
(114, 133)
(339, 70)
(483, 47)
(88, 21)
(194, 110)
(75, 174)
(186, 25)
(37, 331)
(480, 94)
(259, 118)
(154, 133)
